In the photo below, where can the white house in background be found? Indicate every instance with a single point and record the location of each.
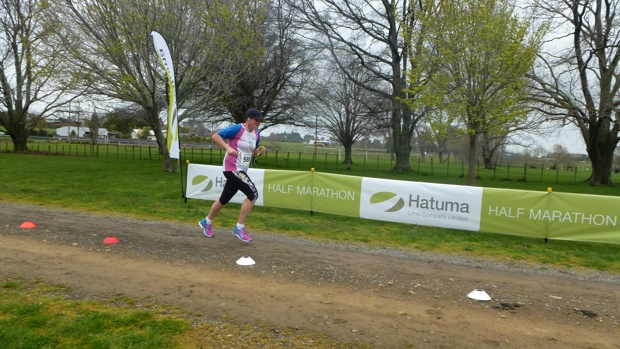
(67, 131)
(322, 141)
(136, 132)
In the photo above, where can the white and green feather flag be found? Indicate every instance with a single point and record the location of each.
(173, 124)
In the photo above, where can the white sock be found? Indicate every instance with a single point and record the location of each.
(240, 226)
(208, 220)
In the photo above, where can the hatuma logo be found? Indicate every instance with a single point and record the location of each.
(417, 202)
(386, 196)
(200, 179)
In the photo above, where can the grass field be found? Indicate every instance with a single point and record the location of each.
(140, 188)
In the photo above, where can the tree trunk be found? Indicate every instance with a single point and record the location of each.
(348, 160)
(472, 159)
(443, 157)
(402, 132)
(488, 150)
(601, 152)
(488, 162)
(402, 150)
(18, 130)
(20, 144)
(162, 145)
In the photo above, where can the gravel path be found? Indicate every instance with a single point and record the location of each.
(385, 298)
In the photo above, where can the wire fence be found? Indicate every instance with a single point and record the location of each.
(363, 162)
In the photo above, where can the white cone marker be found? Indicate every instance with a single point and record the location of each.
(245, 261)
(479, 295)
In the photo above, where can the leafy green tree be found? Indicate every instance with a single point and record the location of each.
(481, 52)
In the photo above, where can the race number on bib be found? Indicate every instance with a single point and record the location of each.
(245, 159)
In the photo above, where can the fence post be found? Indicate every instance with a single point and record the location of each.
(542, 169)
(364, 167)
(576, 173)
(525, 172)
(337, 158)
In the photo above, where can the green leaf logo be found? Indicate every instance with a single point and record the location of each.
(201, 178)
(209, 186)
(383, 196)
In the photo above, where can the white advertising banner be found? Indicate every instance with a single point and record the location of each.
(206, 182)
(439, 205)
(561, 216)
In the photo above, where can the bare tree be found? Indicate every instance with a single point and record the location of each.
(562, 157)
(346, 109)
(577, 81)
(112, 52)
(94, 124)
(372, 32)
(33, 79)
(492, 140)
(276, 80)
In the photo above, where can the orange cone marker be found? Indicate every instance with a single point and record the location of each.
(111, 240)
(28, 225)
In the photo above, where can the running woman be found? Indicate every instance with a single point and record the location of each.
(241, 143)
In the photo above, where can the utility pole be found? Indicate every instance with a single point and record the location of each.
(316, 136)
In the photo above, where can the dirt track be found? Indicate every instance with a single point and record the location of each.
(387, 298)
